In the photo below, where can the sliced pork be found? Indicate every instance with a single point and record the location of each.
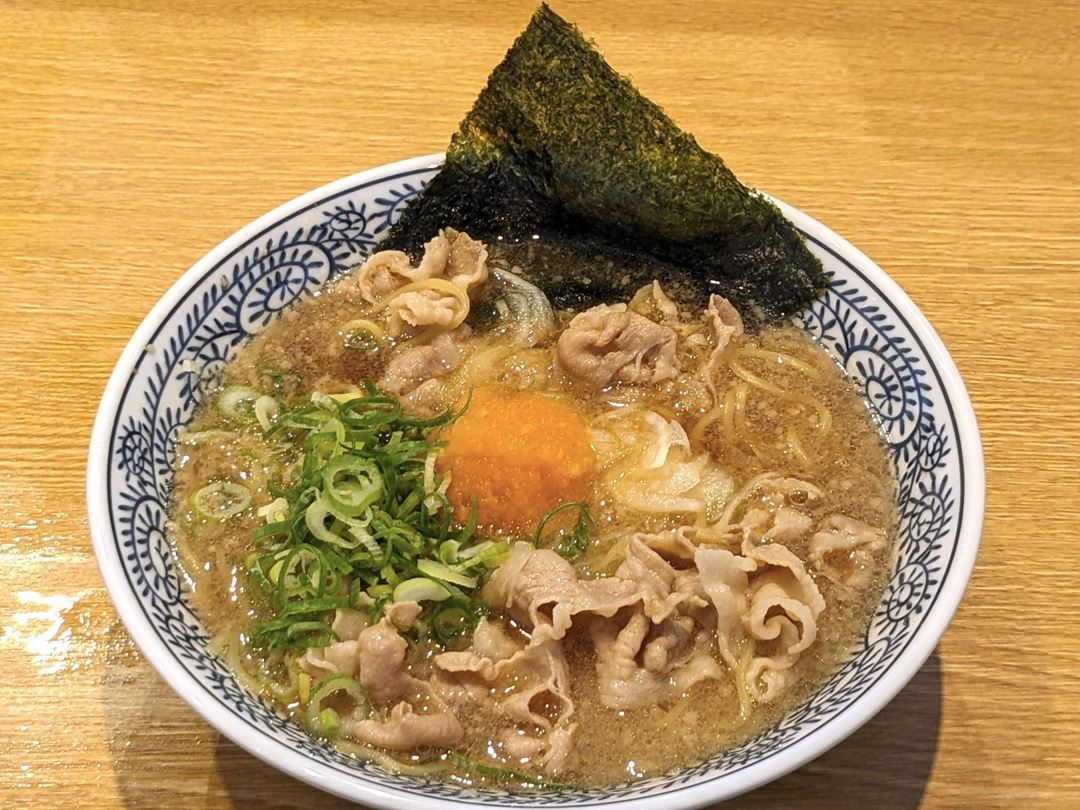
(608, 343)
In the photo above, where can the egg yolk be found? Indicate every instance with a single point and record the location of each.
(520, 455)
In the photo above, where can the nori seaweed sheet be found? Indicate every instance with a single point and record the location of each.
(563, 158)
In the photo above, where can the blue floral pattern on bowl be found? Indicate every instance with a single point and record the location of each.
(240, 294)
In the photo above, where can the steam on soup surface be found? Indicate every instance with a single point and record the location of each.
(461, 534)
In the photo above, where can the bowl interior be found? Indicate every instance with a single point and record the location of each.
(864, 320)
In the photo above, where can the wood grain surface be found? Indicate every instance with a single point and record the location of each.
(941, 138)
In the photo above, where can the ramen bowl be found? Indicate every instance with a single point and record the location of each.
(869, 325)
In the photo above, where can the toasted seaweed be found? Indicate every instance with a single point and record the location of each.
(574, 175)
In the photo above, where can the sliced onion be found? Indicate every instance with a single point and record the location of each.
(665, 489)
(669, 433)
(527, 308)
(715, 490)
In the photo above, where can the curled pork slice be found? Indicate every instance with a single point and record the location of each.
(405, 729)
(456, 259)
(411, 311)
(625, 649)
(782, 593)
(779, 525)
(344, 654)
(450, 254)
(608, 343)
(341, 656)
(724, 323)
(764, 598)
(490, 641)
(411, 368)
(652, 301)
(528, 690)
(541, 590)
(844, 549)
(349, 624)
(408, 713)
(770, 507)
(724, 578)
(403, 615)
(386, 271)
(383, 674)
(650, 622)
(660, 566)
(466, 263)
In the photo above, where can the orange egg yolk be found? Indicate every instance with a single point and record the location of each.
(520, 455)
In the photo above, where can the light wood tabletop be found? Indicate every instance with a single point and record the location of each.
(942, 139)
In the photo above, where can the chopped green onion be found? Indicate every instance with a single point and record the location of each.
(448, 551)
(266, 409)
(454, 618)
(361, 517)
(524, 779)
(330, 721)
(221, 500)
(237, 401)
(326, 722)
(380, 591)
(436, 570)
(315, 518)
(573, 542)
(490, 554)
(420, 589)
(351, 484)
(274, 512)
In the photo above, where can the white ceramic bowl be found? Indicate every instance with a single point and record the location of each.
(239, 287)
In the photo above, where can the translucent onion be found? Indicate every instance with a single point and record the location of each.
(527, 308)
(664, 490)
(669, 433)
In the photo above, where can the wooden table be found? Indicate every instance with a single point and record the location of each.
(943, 141)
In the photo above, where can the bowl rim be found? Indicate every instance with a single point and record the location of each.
(299, 766)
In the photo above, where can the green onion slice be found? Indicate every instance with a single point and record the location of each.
(436, 570)
(420, 589)
(523, 779)
(237, 401)
(325, 721)
(221, 500)
(573, 542)
(351, 484)
(454, 618)
(360, 518)
(266, 409)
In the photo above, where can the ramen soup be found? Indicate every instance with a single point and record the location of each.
(456, 532)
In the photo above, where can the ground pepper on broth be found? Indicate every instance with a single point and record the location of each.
(781, 405)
